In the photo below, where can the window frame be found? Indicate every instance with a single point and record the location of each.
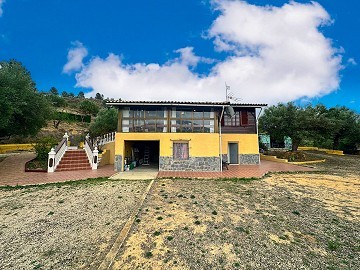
(176, 148)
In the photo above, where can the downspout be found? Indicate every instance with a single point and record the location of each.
(220, 139)
(257, 129)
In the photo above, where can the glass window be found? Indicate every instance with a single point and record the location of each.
(198, 115)
(181, 150)
(192, 120)
(232, 121)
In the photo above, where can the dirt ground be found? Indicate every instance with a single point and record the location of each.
(64, 226)
(284, 221)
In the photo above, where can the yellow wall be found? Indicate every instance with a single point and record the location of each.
(201, 144)
(4, 148)
(110, 147)
(248, 143)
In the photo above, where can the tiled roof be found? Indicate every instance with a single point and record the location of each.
(183, 103)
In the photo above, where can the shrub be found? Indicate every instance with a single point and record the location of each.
(43, 147)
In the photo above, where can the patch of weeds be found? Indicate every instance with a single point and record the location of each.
(61, 201)
(159, 218)
(214, 212)
(192, 196)
(180, 195)
(36, 265)
(186, 228)
(195, 202)
(163, 185)
(148, 254)
(157, 233)
(243, 230)
(295, 212)
(333, 245)
(157, 208)
(169, 238)
(146, 210)
(197, 222)
(284, 237)
(107, 223)
(50, 213)
(162, 191)
(237, 265)
(119, 197)
(49, 253)
(137, 220)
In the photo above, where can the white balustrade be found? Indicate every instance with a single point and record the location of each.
(57, 153)
(104, 139)
(92, 153)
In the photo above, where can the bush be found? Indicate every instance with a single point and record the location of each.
(43, 147)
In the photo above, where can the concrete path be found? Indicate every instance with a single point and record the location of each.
(144, 172)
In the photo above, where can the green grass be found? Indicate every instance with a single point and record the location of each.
(333, 245)
(148, 254)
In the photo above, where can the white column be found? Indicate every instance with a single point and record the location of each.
(66, 136)
(51, 160)
(95, 159)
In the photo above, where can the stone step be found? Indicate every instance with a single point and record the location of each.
(64, 166)
(72, 169)
(72, 163)
(73, 158)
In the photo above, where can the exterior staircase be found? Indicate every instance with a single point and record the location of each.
(74, 160)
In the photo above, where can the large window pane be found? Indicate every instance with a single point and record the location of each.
(198, 115)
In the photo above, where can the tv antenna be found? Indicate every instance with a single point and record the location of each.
(230, 95)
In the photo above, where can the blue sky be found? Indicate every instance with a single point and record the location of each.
(187, 50)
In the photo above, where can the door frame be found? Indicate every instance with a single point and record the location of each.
(237, 153)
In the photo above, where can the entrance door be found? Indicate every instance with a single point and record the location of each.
(233, 153)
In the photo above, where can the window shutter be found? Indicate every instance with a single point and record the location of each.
(244, 118)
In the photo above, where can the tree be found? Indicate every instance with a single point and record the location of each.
(105, 122)
(23, 109)
(81, 94)
(99, 96)
(296, 122)
(54, 91)
(345, 127)
(89, 107)
(64, 94)
(56, 101)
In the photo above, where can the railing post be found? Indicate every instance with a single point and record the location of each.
(95, 159)
(66, 136)
(51, 160)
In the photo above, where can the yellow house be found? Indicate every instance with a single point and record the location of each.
(185, 136)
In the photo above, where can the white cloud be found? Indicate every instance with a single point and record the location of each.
(352, 62)
(75, 57)
(1, 9)
(275, 54)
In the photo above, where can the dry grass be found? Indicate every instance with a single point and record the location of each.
(67, 226)
(285, 221)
